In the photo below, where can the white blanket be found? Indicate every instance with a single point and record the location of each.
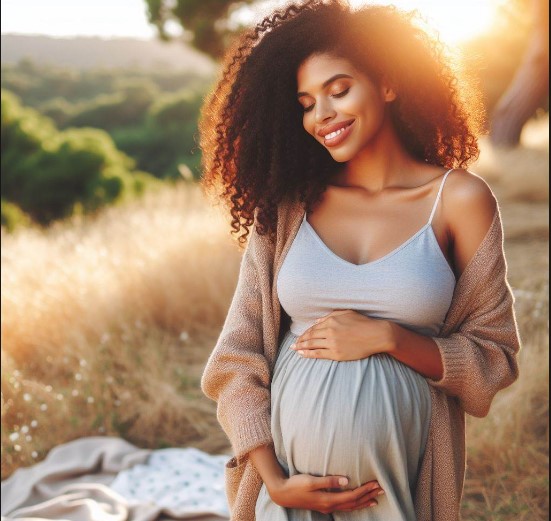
(109, 479)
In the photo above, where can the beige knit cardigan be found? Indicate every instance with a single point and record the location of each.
(478, 342)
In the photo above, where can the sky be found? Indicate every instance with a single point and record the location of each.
(456, 20)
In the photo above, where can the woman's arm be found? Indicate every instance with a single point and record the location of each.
(237, 375)
(468, 206)
(325, 494)
(480, 357)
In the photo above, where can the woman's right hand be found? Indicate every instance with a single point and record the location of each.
(323, 494)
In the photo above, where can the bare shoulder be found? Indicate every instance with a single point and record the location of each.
(469, 207)
(466, 196)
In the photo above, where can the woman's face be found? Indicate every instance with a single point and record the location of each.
(343, 109)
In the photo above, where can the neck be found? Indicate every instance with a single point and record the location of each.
(383, 163)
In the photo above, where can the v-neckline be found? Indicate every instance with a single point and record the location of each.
(372, 262)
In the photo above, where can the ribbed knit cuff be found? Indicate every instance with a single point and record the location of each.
(454, 363)
(252, 432)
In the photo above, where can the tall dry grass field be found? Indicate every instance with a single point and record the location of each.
(108, 321)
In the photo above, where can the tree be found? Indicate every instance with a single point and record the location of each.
(206, 20)
(48, 173)
(529, 86)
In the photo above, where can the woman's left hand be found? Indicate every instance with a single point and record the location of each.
(345, 335)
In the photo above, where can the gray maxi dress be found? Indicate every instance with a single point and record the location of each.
(365, 419)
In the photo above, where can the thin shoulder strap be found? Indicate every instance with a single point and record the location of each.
(438, 195)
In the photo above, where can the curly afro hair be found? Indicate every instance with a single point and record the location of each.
(256, 152)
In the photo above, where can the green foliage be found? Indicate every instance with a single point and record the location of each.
(167, 138)
(13, 217)
(48, 173)
(172, 110)
(207, 20)
(38, 85)
(127, 106)
(152, 116)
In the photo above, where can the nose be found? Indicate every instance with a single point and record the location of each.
(324, 111)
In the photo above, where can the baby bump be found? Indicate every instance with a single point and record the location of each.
(366, 419)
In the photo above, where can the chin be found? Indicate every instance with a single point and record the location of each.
(342, 156)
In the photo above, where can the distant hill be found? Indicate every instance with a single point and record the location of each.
(95, 52)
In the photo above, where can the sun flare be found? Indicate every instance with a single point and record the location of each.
(455, 21)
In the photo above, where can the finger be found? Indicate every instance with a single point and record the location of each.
(359, 506)
(366, 500)
(325, 482)
(313, 353)
(310, 334)
(313, 343)
(333, 313)
(353, 497)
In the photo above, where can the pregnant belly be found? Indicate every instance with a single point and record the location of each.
(366, 419)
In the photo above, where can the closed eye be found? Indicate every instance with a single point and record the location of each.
(337, 95)
(341, 94)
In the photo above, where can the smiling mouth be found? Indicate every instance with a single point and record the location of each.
(338, 136)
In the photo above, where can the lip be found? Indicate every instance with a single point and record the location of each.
(334, 126)
(337, 140)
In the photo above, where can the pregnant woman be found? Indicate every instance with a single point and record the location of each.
(372, 309)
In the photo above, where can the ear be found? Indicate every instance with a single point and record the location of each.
(388, 93)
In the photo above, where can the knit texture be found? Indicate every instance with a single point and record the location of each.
(479, 344)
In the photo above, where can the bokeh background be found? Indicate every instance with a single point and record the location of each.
(117, 273)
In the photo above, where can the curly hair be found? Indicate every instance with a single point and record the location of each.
(256, 152)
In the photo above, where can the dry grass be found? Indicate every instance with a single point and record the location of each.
(107, 323)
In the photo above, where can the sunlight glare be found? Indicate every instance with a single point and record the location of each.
(455, 21)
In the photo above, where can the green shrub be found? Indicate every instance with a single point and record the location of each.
(48, 173)
(13, 217)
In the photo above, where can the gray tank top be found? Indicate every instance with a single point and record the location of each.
(412, 285)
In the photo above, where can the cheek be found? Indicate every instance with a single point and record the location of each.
(308, 123)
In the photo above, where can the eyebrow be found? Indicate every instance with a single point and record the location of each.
(327, 82)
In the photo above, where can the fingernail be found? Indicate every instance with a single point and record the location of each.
(372, 503)
(293, 346)
(342, 481)
(380, 493)
(301, 353)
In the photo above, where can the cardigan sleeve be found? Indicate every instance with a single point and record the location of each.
(480, 356)
(237, 374)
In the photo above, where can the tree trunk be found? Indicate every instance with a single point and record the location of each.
(529, 86)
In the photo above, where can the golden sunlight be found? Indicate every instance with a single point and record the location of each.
(456, 21)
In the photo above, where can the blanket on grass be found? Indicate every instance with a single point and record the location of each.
(109, 479)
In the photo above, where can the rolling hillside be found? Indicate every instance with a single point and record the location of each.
(94, 52)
